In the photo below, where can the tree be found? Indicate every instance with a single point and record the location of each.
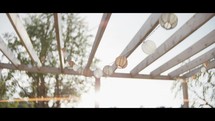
(201, 89)
(40, 28)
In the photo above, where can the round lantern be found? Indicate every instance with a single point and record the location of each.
(121, 62)
(98, 73)
(205, 64)
(194, 77)
(43, 59)
(80, 70)
(168, 21)
(108, 70)
(71, 63)
(75, 67)
(203, 69)
(29, 66)
(148, 47)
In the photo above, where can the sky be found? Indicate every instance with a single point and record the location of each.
(127, 93)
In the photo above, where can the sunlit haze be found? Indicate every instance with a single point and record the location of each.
(128, 93)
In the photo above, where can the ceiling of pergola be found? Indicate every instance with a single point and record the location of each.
(199, 52)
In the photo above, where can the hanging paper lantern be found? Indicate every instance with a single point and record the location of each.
(108, 70)
(80, 70)
(98, 73)
(121, 62)
(63, 49)
(29, 66)
(68, 58)
(168, 21)
(205, 64)
(194, 77)
(71, 63)
(75, 67)
(49, 55)
(65, 53)
(203, 69)
(148, 47)
(43, 59)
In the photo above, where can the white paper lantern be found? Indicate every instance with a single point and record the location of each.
(168, 21)
(203, 69)
(108, 70)
(80, 70)
(148, 47)
(50, 55)
(29, 66)
(75, 67)
(98, 73)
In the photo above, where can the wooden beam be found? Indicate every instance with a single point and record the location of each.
(192, 50)
(193, 72)
(8, 53)
(23, 35)
(87, 73)
(60, 43)
(198, 61)
(185, 94)
(141, 76)
(188, 28)
(45, 70)
(100, 32)
(140, 36)
(97, 92)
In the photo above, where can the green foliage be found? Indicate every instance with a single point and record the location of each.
(40, 28)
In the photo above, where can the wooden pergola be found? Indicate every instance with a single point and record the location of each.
(194, 66)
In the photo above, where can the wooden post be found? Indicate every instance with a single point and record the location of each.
(97, 89)
(185, 94)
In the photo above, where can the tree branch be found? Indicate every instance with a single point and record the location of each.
(206, 102)
(21, 87)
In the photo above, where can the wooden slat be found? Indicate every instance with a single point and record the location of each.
(203, 58)
(44, 70)
(101, 29)
(140, 76)
(188, 28)
(23, 35)
(87, 73)
(140, 36)
(58, 31)
(8, 53)
(192, 50)
(193, 72)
